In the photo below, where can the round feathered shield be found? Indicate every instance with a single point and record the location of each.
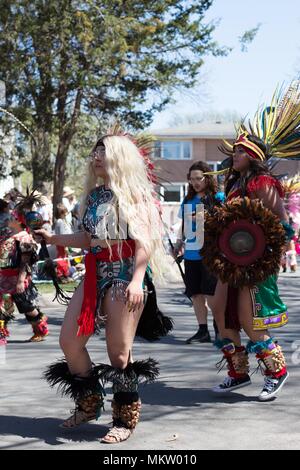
(243, 242)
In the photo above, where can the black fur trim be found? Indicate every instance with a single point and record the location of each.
(153, 323)
(143, 371)
(72, 385)
(126, 398)
(35, 319)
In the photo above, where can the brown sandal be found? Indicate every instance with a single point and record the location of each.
(85, 411)
(76, 419)
(116, 434)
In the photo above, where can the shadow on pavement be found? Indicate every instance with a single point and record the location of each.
(162, 394)
(48, 430)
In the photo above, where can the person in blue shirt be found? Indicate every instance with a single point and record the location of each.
(200, 284)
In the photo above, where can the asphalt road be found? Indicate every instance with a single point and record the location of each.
(179, 411)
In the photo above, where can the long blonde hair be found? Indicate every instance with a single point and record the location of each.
(134, 193)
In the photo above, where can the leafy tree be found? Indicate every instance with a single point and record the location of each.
(61, 59)
(248, 37)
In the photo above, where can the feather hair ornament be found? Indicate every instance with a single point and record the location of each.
(276, 125)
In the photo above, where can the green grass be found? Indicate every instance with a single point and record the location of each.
(48, 288)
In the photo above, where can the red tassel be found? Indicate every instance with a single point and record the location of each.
(86, 321)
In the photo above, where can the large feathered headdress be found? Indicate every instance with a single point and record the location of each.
(276, 125)
(28, 201)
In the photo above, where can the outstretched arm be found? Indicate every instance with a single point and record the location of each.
(75, 240)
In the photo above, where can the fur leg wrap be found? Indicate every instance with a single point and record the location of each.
(87, 392)
(128, 379)
(4, 333)
(270, 354)
(6, 308)
(236, 358)
(6, 314)
(39, 324)
(126, 404)
(91, 404)
(126, 409)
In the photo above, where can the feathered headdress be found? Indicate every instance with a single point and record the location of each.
(25, 212)
(276, 125)
(28, 201)
(292, 185)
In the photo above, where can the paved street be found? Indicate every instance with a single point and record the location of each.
(179, 411)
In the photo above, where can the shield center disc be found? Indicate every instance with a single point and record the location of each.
(242, 242)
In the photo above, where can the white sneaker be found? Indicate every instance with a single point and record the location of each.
(272, 387)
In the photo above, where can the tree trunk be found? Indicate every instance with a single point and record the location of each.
(41, 161)
(65, 139)
(60, 170)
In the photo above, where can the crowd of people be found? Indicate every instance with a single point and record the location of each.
(66, 220)
(118, 229)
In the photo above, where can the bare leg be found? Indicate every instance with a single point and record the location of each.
(120, 331)
(121, 326)
(73, 346)
(200, 308)
(246, 317)
(77, 357)
(217, 304)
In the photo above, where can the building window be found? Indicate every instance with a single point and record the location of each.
(172, 192)
(173, 149)
(215, 166)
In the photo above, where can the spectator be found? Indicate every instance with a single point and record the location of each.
(69, 201)
(76, 222)
(45, 208)
(12, 197)
(62, 227)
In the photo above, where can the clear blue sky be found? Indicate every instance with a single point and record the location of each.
(242, 80)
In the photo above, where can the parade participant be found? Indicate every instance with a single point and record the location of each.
(18, 254)
(6, 304)
(244, 255)
(117, 288)
(291, 256)
(200, 284)
(292, 205)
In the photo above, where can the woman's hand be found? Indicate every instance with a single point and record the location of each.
(178, 249)
(20, 287)
(42, 233)
(135, 296)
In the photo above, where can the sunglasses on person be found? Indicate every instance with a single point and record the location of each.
(98, 153)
